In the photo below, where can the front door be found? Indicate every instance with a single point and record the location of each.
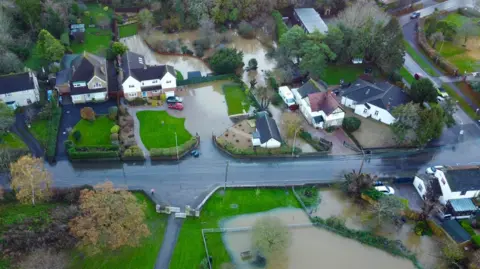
(144, 94)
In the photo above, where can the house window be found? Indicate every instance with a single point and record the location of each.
(365, 110)
(420, 187)
(169, 81)
(143, 83)
(97, 85)
(131, 86)
(29, 101)
(376, 113)
(8, 94)
(79, 84)
(463, 192)
(132, 94)
(155, 81)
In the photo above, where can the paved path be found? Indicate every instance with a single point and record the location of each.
(20, 129)
(169, 242)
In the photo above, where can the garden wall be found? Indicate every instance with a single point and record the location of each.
(170, 154)
(205, 79)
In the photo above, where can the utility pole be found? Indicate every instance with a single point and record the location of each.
(294, 139)
(226, 176)
(176, 144)
(363, 160)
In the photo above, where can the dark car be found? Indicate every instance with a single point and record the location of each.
(174, 99)
(415, 15)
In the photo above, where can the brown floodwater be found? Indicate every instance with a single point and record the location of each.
(311, 247)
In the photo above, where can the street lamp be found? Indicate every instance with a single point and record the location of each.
(176, 143)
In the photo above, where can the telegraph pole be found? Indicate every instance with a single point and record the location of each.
(226, 176)
(176, 144)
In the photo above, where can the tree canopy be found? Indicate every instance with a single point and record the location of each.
(50, 48)
(226, 61)
(7, 118)
(270, 237)
(423, 90)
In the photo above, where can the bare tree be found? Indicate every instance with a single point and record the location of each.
(430, 198)
(207, 32)
(452, 253)
(387, 209)
(5, 28)
(355, 183)
(146, 19)
(29, 114)
(270, 237)
(436, 37)
(44, 259)
(291, 123)
(362, 12)
(264, 95)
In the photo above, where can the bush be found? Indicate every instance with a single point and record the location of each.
(309, 196)
(276, 99)
(77, 135)
(232, 149)
(281, 27)
(351, 124)
(133, 151)
(468, 227)
(476, 240)
(226, 60)
(97, 152)
(475, 85)
(246, 30)
(115, 129)
(318, 144)
(138, 101)
(422, 228)
(172, 152)
(87, 113)
(373, 193)
(112, 112)
(68, 144)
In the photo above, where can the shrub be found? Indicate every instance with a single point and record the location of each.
(309, 196)
(476, 240)
(468, 227)
(53, 126)
(172, 152)
(351, 124)
(115, 129)
(133, 151)
(475, 85)
(281, 27)
(373, 193)
(87, 113)
(77, 135)
(330, 129)
(276, 99)
(246, 30)
(469, 12)
(112, 112)
(422, 228)
(319, 144)
(68, 144)
(97, 152)
(139, 101)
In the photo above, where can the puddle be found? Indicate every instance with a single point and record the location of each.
(311, 247)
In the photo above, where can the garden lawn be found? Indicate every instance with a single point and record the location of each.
(15, 213)
(349, 73)
(190, 251)
(96, 40)
(96, 133)
(34, 62)
(143, 256)
(417, 57)
(127, 30)
(406, 75)
(39, 130)
(157, 129)
(11, 140)
(236, 98)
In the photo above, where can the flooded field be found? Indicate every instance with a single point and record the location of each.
(311, 247)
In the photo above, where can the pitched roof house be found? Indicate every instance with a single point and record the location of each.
(267, 134)
(375, 100)
(19, 89)
(142, 80)
(318, 105)
(84, 77)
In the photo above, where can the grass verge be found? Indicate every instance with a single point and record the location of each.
(157, 129)
(417, 57)
(96, 133)
(190, 251)
(127, 30)
(39, 130)
(11, 140)
(236, 98)
(349, 73)
(406, 75)
(143, 256)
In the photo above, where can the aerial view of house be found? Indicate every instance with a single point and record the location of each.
(19, 89)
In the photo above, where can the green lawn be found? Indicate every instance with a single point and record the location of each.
(34, 62)
(96, 133)
(237, 100)
(127, 30)
(39, 130)
(349, 73)
(143, 256)
(189, 250)
(11, 140)
(418, 59)
(406, 75)
(457, 19)
(15, 213)
(179, 75)
(96, 40)
(157, 129)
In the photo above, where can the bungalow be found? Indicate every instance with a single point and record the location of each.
(375, 100)
(83, 77)
(319, 106)
(19, 89)
(310, 20)
(267, 134)
(142, 80)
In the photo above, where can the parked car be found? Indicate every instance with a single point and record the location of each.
(415, 15)
(432, 169)
(176, 106)
(441, 91)
(440, 99)
(418, 76)
(287, 96)
(174, 99)
(387, 190)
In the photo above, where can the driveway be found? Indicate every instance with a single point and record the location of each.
(408, 191)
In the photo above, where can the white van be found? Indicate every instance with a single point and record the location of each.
(287, 96)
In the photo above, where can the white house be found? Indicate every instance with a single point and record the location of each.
(83, 77)
(375, 100)
(454, 183)
(267, 134)
(142, 80)
(318, 106)
(19, 89)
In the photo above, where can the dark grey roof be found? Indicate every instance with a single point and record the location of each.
(456, 231)
(152, 72)
(86, 66)
(194, 74)
(310, 87)
(311, 20)
(463, 179)
(134, 65)
(267, 128)
(381, 94)
(16, 82)
(63, 76)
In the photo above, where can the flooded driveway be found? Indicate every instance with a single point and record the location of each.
(311, 247)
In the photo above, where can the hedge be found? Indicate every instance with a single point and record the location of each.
(204, 79)
(171, 152)
(96, 152)
(133, 151)
(476, 240)
(373, 193)
(466, 225)
(280, 24)
(53, 126)
(318, 144)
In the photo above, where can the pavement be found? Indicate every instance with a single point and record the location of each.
(169, 241)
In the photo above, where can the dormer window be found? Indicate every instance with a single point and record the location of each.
(79, 84)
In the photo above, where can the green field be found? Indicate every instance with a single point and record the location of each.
(189, 250)
(236, 98)
(96, 133)
(349, 73)
(127, 30)
(11, 140)
(143, 256)
(157, 129)
(96, 40)
(406, 75)
(39, 130)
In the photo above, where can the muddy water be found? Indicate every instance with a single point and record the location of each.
(183, 64)
(311, 247)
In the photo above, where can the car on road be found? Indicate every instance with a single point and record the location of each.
(174, 99)
(387, 190)
(441, 92)
(432, 169)
(415, 15)
(176, 106)
(440, 99)
(418, 76)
